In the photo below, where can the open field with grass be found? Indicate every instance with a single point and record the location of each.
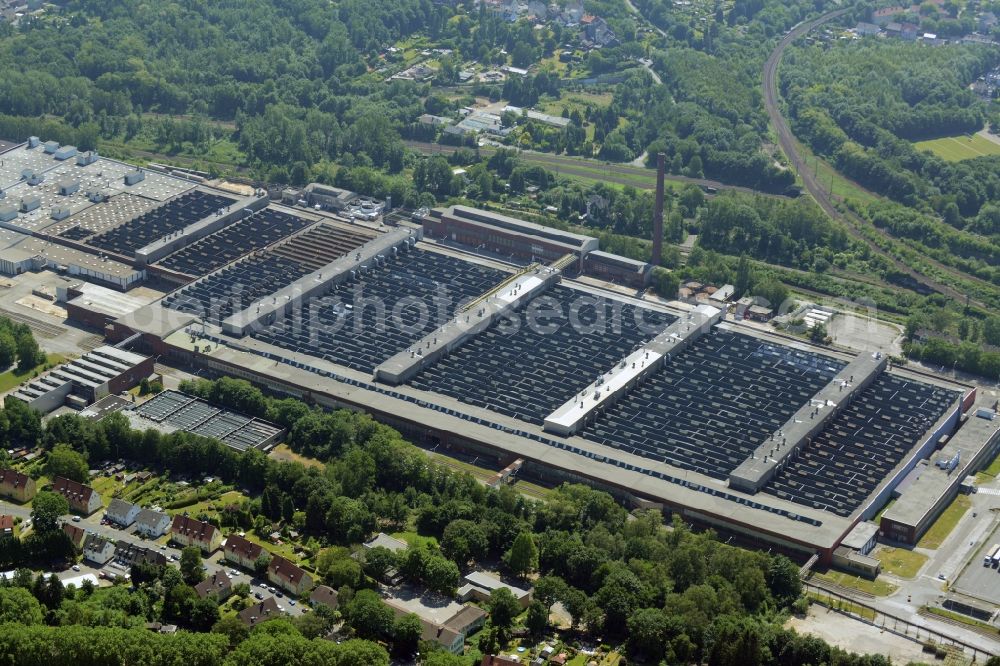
(210, 506)
(575, 101)
(282, 452)
(945, 523)
(991, 472)
(958, 617)
(957, 148)
(878, 587)
(285, 549)
(831, 180)
(900, 562)
(415, 540)
(12, 377)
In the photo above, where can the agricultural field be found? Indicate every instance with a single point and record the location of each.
(957, 148)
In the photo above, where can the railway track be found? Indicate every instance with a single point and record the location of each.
(40, 328)
(580, 167)
(852, 223)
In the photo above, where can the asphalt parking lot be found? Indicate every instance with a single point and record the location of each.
(977, 580)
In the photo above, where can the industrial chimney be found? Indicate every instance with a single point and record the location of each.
(658, 211)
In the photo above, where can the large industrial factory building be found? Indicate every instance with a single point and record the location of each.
(477, 333)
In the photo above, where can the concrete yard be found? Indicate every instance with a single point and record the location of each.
(856, 636)
(982, 582)
(866, 334)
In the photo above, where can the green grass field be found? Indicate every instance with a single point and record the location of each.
(957, 148)
(12, 378)
(945, 523)
(900, 562)
(878, 587)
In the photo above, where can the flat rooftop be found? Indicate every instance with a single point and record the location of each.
(674, 438)
(66, 256)
(108, 301)
(700, 495)
(471, 215)
(924, 492)
(104, 175)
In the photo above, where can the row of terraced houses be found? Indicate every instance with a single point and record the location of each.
(184, 530)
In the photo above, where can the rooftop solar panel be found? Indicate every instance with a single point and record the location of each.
(709, 407)
(528, 373)
(327, 326)
(159, 222)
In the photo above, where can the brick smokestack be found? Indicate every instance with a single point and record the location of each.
(658, 211)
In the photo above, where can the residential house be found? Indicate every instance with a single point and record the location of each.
(6, 526)
(98, 549)
(260, 612)
(187, 531)
(82, 499)
(449, 639)
(121, 512)
(241, 552)
(987, 22)
(220, 585)
(492, 660)
(600, 33)
(75, 534)
(18, 487)
(909, 32)
(152, 524)
(429, 119)
(385, 541)
(893, 29)
(467, 620)
(288, 576)
(479, 585)
(127, 554)
(162, 628)
(867, 29)
(325, 595)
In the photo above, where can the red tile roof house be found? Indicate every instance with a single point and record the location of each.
(18, 487)
(187, 531)
(220, 585)
(6, 526)
(241, 552)
(260, 612)
(325, 595)
(82, 499)
(75, 534)
(288, 576)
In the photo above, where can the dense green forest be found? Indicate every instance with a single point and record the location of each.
(663, 591)
(709, 116)
(296, 86)
(862, 102)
